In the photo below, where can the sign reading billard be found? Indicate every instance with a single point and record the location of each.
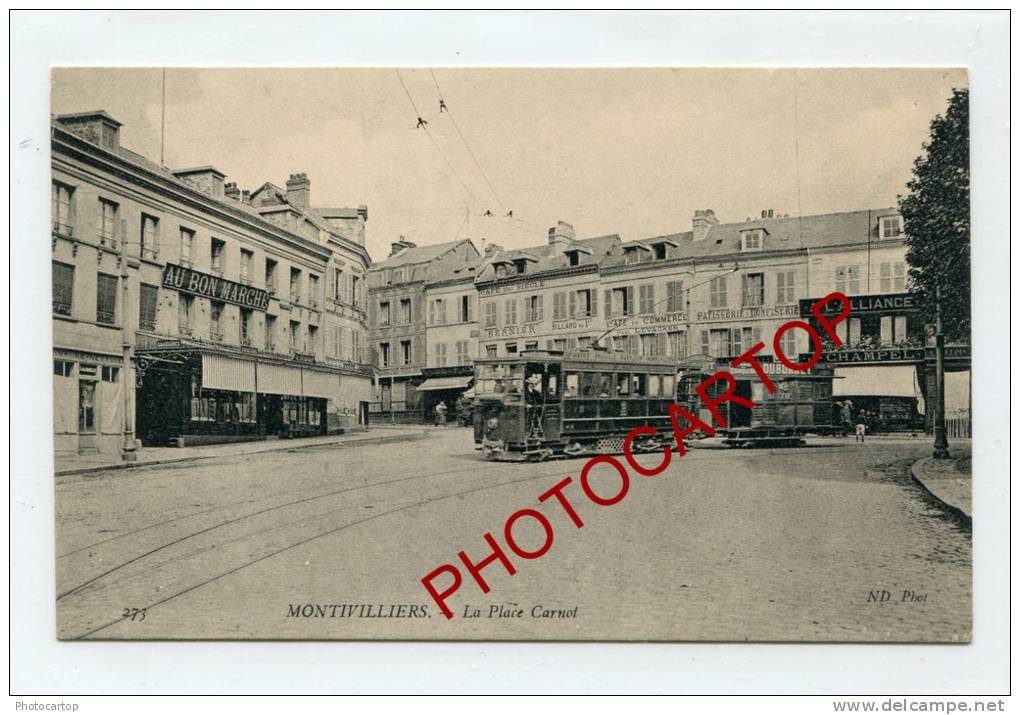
(214, 287)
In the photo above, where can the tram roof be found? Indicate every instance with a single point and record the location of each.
(576, 357)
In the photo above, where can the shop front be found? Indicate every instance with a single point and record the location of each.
(447, 385)
(188, 396)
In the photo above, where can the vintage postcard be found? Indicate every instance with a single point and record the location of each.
(413, 353)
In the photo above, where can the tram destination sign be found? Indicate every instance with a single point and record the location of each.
(214, 287)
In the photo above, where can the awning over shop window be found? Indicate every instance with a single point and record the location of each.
(279, 379)
(885, 380)
(445, 383)
(226, 373)
(321, 384)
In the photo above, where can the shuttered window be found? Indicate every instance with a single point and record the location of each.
(148, 296)
(106, 299)
(63, 288)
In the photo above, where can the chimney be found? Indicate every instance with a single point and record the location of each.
(491, 249)
(702, 221)
(231, 191)
(768, 213)
(561, 235)
(299, 190)
(245, 196)
(207, 179)
(399, 245)
(97, 127)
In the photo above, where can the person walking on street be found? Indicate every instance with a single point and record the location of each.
(862, 421)
(441, 414)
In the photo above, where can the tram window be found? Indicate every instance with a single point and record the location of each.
(552, 386)
(654, 386)
(589, 381)
(638, 385)
(668, 387)
(572, 381)
(757, 392)
(623, 384)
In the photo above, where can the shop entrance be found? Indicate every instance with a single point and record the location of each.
(87, 416)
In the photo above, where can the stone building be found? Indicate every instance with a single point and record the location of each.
(178, 300)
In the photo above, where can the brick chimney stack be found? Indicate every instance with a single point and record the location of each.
(400, 244)
(703, 220)
(231, 191)
(491, 249)
(299, 190)
(561, 235)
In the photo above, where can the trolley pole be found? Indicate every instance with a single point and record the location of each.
(128, 451)
(941, 450)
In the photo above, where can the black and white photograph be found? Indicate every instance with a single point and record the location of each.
(416, 347)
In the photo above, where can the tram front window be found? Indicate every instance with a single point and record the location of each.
(500, 380)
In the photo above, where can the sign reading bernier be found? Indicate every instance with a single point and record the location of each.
(208, 286)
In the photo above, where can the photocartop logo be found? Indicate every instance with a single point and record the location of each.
(560, 493)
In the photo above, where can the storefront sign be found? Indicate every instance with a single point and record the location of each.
(884, 303)
(875, 355)
(449, 371)
(749, 313)
(570, 325)
(516, 287)
(668, 320)
(510, 331)
(214, 287)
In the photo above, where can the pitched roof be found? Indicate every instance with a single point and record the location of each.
(548, 257)
(418, 254)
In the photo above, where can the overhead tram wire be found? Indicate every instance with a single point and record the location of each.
(422, 124)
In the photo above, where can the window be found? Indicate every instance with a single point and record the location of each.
(271, 275)
(573, 258)
(295, 285)
(384, 354)
(660, 251)
(464, 314)
(583, 303)
(559, 306)
(584, 342)
(490, 314)
(753, 292)
(217, 249)
(620, 301)
(752, 240)
(788, 344)
(106, 299)
(511, 348)
(187, 245)
(786, 287)
(719, 342)
(890, 227)
(674, 296)
(490, 350)
(185, 313)
(893, 276)
(148, 297)
(405, 311)
(149, 237)
(63, 368)
(510, 312)
(338, 280)
(440, 356)
(531, 345)
(534, 313)
(653, 344)
(521, 264)
(247, 261)
(384, 313)
(313, 339)
(216, 321)
(397, 275)
(356, 291)
(357, 349)
(717, 292)
(63, 209)
(270, 333)
(848, 279)
(647, 298)
(437, 311)
(63, 288)
(313, 290)
(295, 336)
(677, 344)
(246, 317)
(107, 223)
(109, 373)
(463, 352)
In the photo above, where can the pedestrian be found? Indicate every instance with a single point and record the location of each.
(846, 416)
(862, 421)
(441, 414)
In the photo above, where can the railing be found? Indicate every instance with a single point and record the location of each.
(150, 252)
(61, 307)
(184, 330)
(146, 324)
(245, 341)
(106, 317)
(107, 239)
(63, 229)
(216, 337)
(958, 426)
(304, 357)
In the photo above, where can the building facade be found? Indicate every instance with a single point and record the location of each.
(197, 314)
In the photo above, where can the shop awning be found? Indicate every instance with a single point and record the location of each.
(877, 381)
(321, 384)
(227, 373)
(446, 383)
(279, 379)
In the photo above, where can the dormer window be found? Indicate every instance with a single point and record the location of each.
(660, 251)
(500, 270)
(752, 240)
(636, 252)
(521, 265)
(890, 227)
(573, 258)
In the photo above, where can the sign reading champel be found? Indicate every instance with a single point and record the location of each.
(209, 286)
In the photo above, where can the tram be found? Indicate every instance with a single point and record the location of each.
(547, 403)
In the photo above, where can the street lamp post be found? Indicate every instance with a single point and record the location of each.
(941, 450)
(128, 451)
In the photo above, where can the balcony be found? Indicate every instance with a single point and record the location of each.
(106, 239)
(185, 330)
(106, 317)
(245, 341)
(61, 307)
(147, 324)
(63, 229)
(216, 336)
(303, 357)
(150, 252)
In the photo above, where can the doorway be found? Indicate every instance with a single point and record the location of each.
(87, 441)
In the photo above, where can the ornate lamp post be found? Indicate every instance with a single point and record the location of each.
(941, 450)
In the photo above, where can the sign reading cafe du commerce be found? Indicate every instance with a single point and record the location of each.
(208, 286)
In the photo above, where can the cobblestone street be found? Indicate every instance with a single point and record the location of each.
(816, 543)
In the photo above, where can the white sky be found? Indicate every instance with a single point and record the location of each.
(629, 151)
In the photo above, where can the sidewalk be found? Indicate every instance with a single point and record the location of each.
(147, 456)
(948, 480)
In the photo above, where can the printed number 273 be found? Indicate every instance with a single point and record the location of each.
(135, 614)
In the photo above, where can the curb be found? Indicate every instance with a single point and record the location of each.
(198, 457)
(916, 473)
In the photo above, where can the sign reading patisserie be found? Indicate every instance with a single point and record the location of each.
(209, 286)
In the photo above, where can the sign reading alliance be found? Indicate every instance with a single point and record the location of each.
(214, 287)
